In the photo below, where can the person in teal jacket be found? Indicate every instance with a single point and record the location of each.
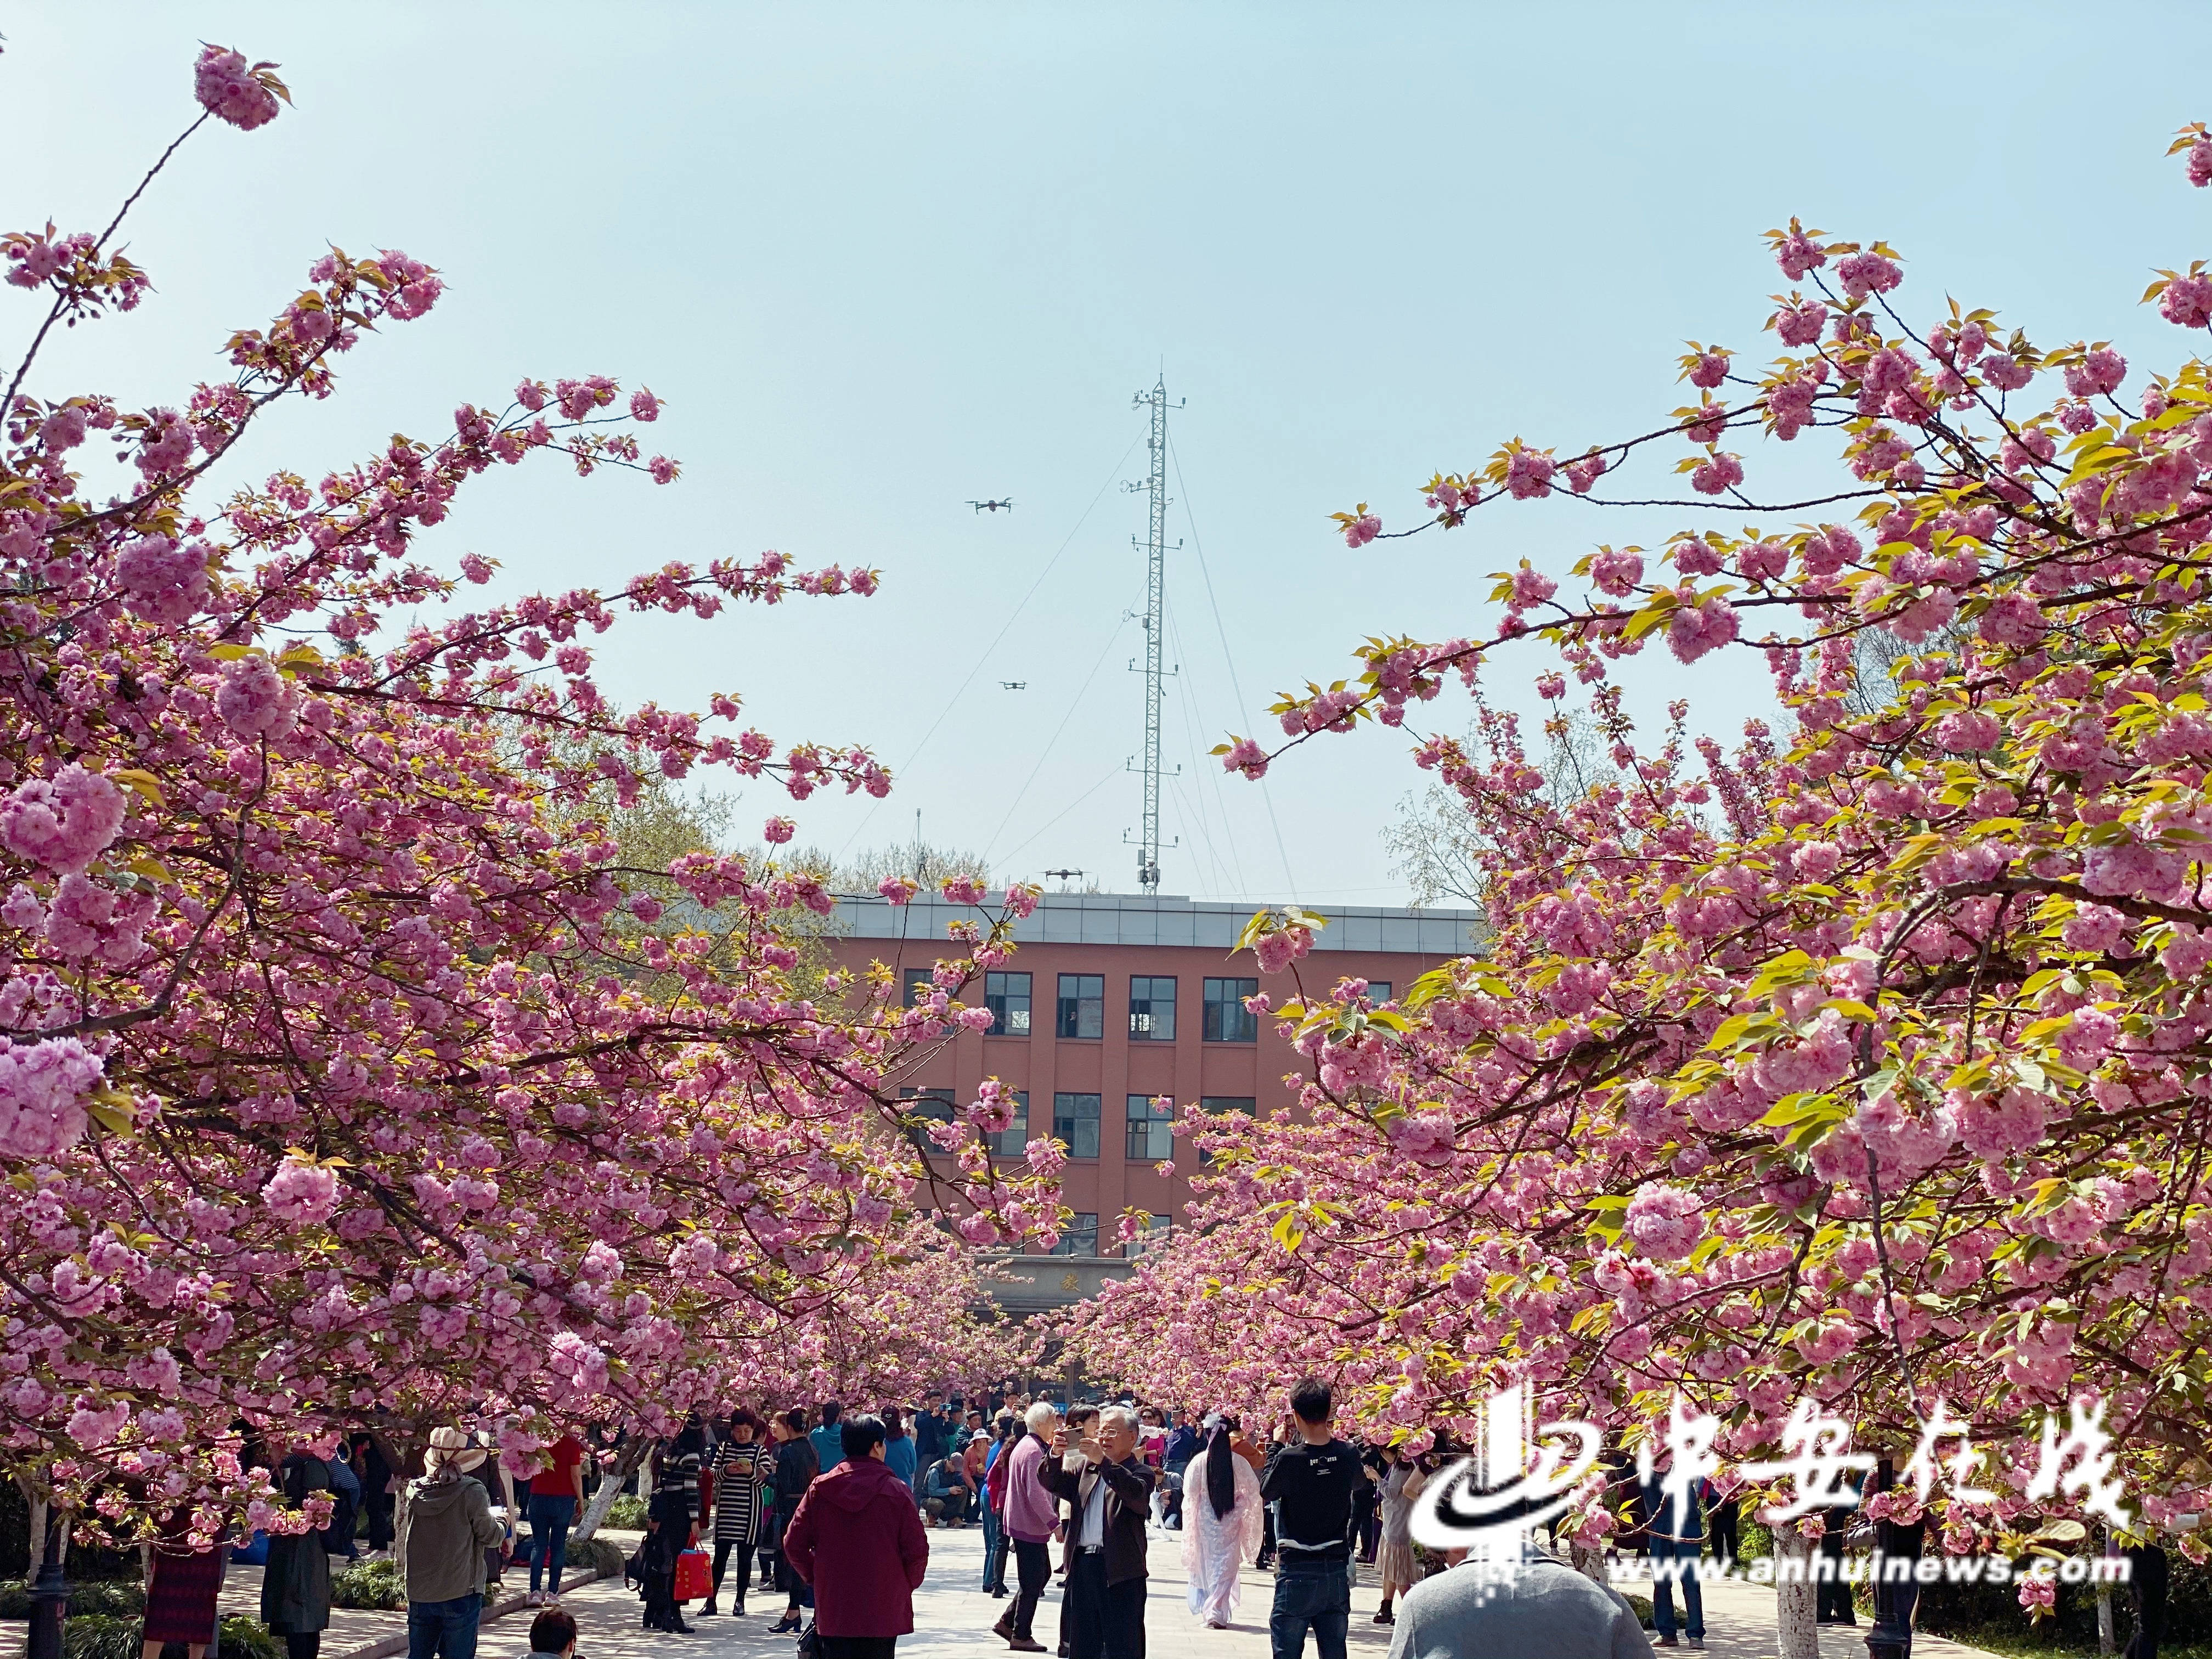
(899, 1447)
(827, 1439)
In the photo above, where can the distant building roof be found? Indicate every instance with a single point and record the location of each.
(1170, 919)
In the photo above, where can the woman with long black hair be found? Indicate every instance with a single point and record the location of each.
(672, 1527)
(796, 1465)
(296, 1583)
(1222, 1521)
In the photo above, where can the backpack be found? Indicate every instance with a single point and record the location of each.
(345, 1507)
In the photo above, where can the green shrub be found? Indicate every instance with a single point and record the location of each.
(626, 1514)
(248, 1639)
(374, 1584)
(113, 1599)
(101, 1636)
(600, 1555)
(1642, 1604)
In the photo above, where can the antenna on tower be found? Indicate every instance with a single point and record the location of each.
(1148, 846)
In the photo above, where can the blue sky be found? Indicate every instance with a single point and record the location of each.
(884, 259)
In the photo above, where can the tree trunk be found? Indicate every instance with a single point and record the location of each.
(2105, 1640)
(1589, 1559)
(1795, 1635)
(633, 1454)
(39, 1536)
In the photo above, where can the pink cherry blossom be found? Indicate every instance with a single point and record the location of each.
(301, 1194)
(43, 1085)
(63, 825)
(232, 90)
(1864, 274)
(1694, 630)
(2100, 371)
(163, 580)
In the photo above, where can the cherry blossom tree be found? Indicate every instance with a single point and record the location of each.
(1865, 1060)
(348, 1068)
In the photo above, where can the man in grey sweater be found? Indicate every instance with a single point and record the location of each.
(446, 1525)
(1545, 1610)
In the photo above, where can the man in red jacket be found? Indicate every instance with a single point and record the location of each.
(862, 1517)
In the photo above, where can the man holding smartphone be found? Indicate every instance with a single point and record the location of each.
(1110, 1492)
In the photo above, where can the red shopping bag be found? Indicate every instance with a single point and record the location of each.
(691, 1577)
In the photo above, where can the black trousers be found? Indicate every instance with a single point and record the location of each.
(1832, 1597)
(1724, 1530)
(302, 1644)
(378, 1506)
(858, 1647)
(724, 1548)
(2146, 1593)
(1033, 1564)
(1104, 1621)
(661, 1612)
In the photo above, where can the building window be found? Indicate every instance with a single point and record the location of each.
(1007, 997)
(1227, 1018)
(915, 985)
(1154, 1237)
(1075, 1123)
(1152, 1135)
(1082, 1005)
(1080, 1236)
(1217, 1105)
(924, 1107)
(1013, 1140)
(1378, 991)
(1151, 1009)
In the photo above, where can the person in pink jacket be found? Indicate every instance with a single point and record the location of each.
(857, 1538)
(1031, 1514)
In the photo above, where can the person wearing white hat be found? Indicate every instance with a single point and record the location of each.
(446, 1524)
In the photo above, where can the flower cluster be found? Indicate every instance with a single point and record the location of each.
(1865, 1060)
(353, 1062)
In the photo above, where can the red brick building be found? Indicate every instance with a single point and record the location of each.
(1111, 1000)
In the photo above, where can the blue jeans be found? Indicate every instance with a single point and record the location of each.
(551, 1516)
(445, 1629)
(1671, 1557)
(1317, 1595)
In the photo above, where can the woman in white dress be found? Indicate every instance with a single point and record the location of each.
(1223, 1522)
(1397, 1552)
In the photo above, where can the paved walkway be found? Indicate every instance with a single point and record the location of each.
(1740, 1625)
(953, 1618)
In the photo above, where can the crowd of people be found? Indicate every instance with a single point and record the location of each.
(840, 1508)
(831, 1512)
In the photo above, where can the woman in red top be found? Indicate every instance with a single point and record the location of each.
(556, 1493)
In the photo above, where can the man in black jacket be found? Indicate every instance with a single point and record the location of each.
(1111, 1495)
(1309, 1487)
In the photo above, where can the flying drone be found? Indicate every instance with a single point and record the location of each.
(992, 507)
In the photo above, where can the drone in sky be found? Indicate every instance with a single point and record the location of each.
(1014, 685)
(992, 507)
